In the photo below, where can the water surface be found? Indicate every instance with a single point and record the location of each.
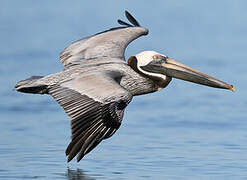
(186, 131)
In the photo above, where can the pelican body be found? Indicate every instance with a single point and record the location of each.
(97, 83)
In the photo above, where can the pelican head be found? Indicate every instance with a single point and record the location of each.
(162, 68)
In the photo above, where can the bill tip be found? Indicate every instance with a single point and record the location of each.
(232, 88)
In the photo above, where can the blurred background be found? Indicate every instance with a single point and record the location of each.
(185, 131)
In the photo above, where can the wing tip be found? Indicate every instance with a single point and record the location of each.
(131, 19)
(69, 159)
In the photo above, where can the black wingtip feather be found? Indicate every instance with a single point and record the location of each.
(80, 156)
(131, 19)
(69, 159)
(88, 142)
(123, 23)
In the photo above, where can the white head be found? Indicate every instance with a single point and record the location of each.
(161, 69)
(146, 57)
(141, 61)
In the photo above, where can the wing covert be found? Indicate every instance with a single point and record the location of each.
(110, 43)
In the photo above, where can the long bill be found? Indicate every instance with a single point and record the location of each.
(178, 70)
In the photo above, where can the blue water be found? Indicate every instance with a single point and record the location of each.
(186, 131)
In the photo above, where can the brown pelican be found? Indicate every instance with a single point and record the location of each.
(97, 84)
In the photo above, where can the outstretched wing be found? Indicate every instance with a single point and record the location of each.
(95, 103)
(110, 43)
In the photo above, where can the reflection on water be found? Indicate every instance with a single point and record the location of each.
(77, 174)
(183, 132)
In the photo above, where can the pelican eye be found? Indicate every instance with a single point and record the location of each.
(163, 59)
(159, 59)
